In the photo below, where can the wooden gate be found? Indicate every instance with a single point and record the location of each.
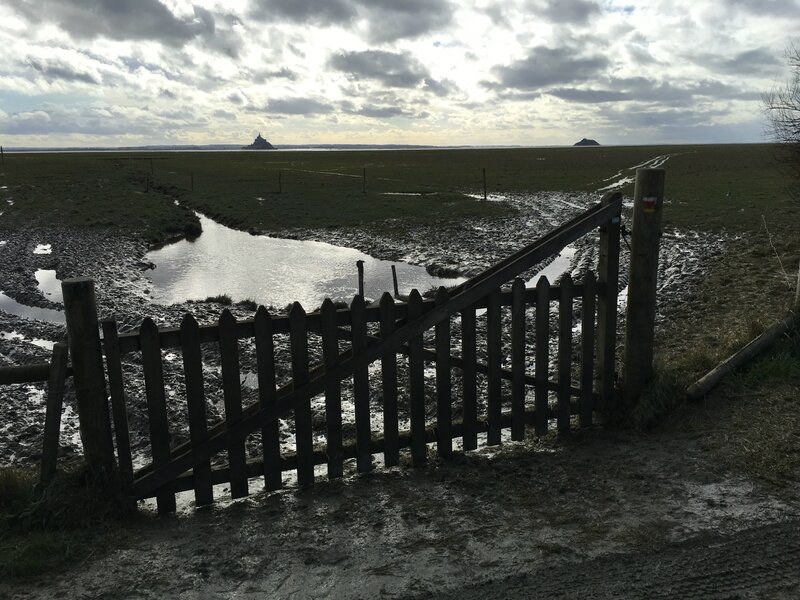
(567, 387)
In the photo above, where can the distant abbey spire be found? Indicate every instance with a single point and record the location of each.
(259, 144)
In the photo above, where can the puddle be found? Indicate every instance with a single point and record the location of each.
(50, 286)
(13, 307)
(560, 265)
(13, 335)
(489, 197)
(273, 271)
(43, 249)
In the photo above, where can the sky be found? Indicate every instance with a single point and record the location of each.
(471, 72)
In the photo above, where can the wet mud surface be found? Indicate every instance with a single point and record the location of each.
(599, 515)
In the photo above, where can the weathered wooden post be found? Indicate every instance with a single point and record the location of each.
(2, 156)
(608, 281)
(648, 199)
(52, 418)
(484, 183)
(360, 267)
(80, 308)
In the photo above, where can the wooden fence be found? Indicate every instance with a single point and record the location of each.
(568, 388)
(387, 332)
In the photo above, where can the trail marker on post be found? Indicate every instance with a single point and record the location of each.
(648, 200)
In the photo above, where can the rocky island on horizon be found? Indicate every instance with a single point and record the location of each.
(259, 144)
(587, 142)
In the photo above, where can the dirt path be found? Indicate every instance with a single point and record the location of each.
(761, 562)
(617, 515)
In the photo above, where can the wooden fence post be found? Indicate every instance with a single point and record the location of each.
(648, 199)
(608, 282)
(52, 419)
(80, 308)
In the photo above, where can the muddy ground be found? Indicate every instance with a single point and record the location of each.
(120, 272)
(598, 515)
(499, 521)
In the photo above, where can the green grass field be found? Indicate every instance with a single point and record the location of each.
(711, 187)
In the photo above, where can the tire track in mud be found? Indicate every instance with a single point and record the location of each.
(755, 563)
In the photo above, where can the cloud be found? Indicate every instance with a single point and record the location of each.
(385, 20)
(779, 8)
(58, 69)
(565, 11)
(315, 12)
(381, 112)
(392, 20)
(441, 88)
(544, 67)
(390, 68)
(99, 119)
(749, 62)
(298, 106)
(117, 19)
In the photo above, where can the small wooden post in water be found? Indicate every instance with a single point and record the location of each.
(397, 291)
(360, 267)
(648, 199)
(484, 183)
(280, 181)
(364, 181)
(2, 156)
(80, 308)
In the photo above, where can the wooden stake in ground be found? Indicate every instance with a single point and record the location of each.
(394, 282)
(641, 308)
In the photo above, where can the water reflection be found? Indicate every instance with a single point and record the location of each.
(272, 271)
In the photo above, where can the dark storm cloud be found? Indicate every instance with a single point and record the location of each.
(565, 11)
(56, 69)
(298, 106)
(117, 19)
(547, 66)
(390, 68)
(386, 20)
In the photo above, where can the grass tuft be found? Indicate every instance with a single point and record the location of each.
(223, 299)
(43, 529)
